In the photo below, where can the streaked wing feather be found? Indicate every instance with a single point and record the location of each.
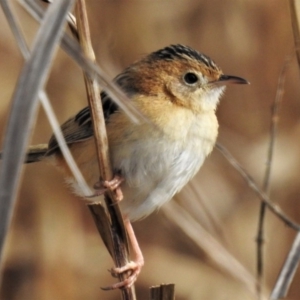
(79, 127)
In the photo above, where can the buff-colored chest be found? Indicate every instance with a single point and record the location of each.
(157, 163)
(157, 157)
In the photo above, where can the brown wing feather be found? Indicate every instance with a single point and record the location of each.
(79, 127)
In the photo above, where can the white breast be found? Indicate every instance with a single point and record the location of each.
(157, 166)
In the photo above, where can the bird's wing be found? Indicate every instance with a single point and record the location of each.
(79, 127)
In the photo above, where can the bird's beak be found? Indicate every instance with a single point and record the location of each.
(227, 79)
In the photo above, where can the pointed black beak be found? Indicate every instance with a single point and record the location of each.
(227, 79)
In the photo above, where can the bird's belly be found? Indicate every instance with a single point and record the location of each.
(154, 174)
(154, 170)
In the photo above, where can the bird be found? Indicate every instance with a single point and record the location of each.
(177, 89)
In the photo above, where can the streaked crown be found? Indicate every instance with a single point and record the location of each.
(178, 51)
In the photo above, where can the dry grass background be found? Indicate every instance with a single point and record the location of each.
(53, 250)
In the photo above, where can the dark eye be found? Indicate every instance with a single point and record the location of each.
(190, 78)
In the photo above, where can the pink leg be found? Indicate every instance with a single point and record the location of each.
(134, 266)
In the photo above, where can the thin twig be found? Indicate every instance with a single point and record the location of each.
(119, 238)
(275, 209)
(290, 266)
(213, 249)
(266, 183)
(201, 210)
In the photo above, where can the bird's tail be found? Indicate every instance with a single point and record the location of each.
(35, 153)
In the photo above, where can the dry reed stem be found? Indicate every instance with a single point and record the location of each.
(212, 220)
(24, 107)
(117, 232)
(217, 253)
(287, 272)
(275, 209)
(163, 292)
(291, 263)
(266, 183)
(71, 47)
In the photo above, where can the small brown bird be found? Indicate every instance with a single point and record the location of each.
(178, 90)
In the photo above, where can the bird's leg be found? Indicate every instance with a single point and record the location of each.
(134, 266)
(109, 185)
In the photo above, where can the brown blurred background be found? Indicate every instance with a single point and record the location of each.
(53, 250)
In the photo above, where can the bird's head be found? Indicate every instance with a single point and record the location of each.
(180, 75)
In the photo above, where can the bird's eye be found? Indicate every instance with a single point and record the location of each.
(190, 78)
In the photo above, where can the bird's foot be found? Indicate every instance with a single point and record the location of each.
(109, 185)
(133, 268)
